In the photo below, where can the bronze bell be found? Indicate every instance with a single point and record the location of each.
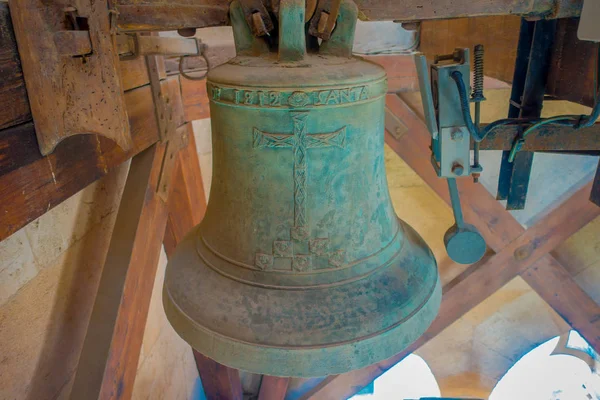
(300, 266)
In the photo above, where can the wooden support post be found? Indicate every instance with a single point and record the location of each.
(218, 381)
(187, 204)
(273, 388)
(517, 252)
(111, 350)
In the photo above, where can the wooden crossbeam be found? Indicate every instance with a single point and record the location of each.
(556, 286)
(517, 252)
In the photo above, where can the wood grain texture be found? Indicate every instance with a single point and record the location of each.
(31, 184)
(156, 15)
(109, 359)
(14, 105)
(187, 205)
(498, 34)
(195, 99)
(219, 382)
(187, 201)
(556, 286)
(572, 66)
(74, 95)
(273, 388)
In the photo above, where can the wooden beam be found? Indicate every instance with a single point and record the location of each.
(140, 15)
(31, 185)
(556, 286)
(273, 388)
(111, 349)
(546, 138)
(218, 381)
(187, 204)
(187, 200)
(14, 106)
(517, 250)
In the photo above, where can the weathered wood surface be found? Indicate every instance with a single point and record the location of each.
(517, 252)
(14, 106)
(572, 65)
(556, 286)
(218, 381)
(187, 201)
(156, 15)
(498, 34)
(273, 388)
(187, 204)
(73, 95)
(111, 350)
(31, 184)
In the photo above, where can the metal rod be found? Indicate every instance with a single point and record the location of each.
(455, 200)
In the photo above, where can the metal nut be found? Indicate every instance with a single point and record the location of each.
(457, 135)
(457, 169)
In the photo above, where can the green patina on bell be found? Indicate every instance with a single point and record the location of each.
(300, 266)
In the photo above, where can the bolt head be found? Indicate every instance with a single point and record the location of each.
(456, 135)
(458, 169)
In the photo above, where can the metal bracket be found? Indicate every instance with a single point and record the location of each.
(257, 17)
(79, 91)
(450, 139)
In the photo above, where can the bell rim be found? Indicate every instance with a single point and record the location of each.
(226, 350)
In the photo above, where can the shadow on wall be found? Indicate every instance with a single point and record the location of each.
(82, 265)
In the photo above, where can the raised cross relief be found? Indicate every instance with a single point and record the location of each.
(299, 141)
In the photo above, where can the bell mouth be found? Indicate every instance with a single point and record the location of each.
(304, 333)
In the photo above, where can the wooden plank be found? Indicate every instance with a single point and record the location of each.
(195, 99)
(273, 388)
(31, 184)
(556, 286)
(498, 34)
(155, 15)
(111, 349)
(63, 96)
(572, 65)
(218, 381)
(545, 138)
(143, 15)
(187, 201)
(14, 106)
(187, 204)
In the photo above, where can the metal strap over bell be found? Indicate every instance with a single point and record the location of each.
(300, 266)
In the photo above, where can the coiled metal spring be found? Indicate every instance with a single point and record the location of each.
(478, 74)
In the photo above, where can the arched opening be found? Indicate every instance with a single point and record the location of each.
(563, 368)
(411, 378)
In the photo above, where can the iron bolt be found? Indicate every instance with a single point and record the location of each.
(457, 169)
(456, 134)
